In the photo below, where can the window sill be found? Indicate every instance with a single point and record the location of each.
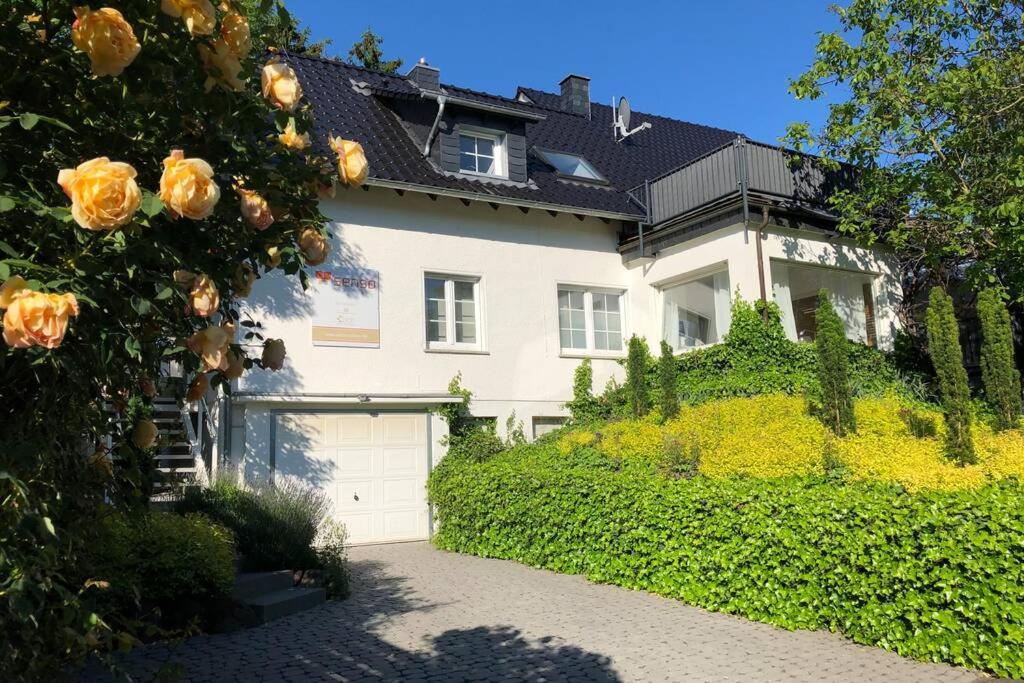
(477, 174)
(595, 355)
(455, 349)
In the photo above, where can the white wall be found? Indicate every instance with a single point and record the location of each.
(520, 258)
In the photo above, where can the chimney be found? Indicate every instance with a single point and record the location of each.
(426, 76)
(576, 95)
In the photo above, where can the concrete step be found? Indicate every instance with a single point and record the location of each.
(270, 606)
(251, 584)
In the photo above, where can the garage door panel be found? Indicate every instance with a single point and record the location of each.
(372, 465)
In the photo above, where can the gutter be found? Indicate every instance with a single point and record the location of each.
(355, 399)
(496, 199)
(483, 106)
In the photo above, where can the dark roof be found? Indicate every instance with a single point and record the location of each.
(362, 114)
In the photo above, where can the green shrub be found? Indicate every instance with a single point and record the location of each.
(920, 424)
(756, 358)
(275, 524)
(637, 389)
(477, 444)
(584, 407)
(332, 560)
(158, 559)
(947, 357)
(834, 396)
(680, 457)
(933, 575)
(998, 368)
(668, 382)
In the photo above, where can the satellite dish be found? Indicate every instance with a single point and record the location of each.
(623, 114)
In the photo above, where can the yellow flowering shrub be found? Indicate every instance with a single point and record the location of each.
(774, 436)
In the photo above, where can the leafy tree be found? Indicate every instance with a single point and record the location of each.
(274, 26)
(367, 52)
(998, 369)
(930, 107)
(947, 357)
(133, 255)
(836, 408)
(668, 382)
(637, 392)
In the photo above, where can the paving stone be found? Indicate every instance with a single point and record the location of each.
(419, 614)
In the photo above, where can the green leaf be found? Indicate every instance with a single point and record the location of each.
(141, 306)
(9, 250)
(6, 204)
(151, 204)
(28, 121)
(164, 293)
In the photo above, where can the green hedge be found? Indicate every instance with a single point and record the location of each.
(936, 576)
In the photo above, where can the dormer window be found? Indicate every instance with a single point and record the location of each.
(571, 165)
(482, 153)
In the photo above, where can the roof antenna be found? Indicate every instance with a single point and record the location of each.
(620, 128)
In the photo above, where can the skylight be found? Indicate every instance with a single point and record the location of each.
(570, 165)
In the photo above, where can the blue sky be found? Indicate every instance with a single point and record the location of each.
(724, 63)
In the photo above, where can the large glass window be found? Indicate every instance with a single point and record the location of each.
(452, 311)
(570, 164)
(696, 311)
(590, 320)
(796, 290)
(481, 153)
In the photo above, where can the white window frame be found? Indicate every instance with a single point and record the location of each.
(500, 158)
(588, 320)
(687, 278)
(450, 345)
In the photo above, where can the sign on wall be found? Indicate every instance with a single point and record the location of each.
(346, 308)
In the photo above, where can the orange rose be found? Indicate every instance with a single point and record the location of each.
(35, 318)
(291, 138)
(203, 297)
(255, 209)
(211, 345)
(199, 17)
(236, 366)
(187, 188)
(273, 354)
(103, 193)
(352, 166)
(234, 30)
(144, 434)
(222, 66)
(242, 280)
(273, 258)
(281, 85)
(313, 246)
(198, 388)
(106, 38)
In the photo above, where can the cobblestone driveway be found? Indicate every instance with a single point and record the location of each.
(419, 614)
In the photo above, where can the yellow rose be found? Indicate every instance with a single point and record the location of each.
(291, 138)
(242, 280)
(187, 188)
(106, 38)
(144, 434)
(103, 193)
(34, 318)
(200, 19)
(313, 246)
(222, 66)
(211, 345)
(352, 166)
(273, 354)
(234, 30)
(203, 298)
(273, 258)
(255, 209)
(281, 85)
(198, 388)
(235, 367)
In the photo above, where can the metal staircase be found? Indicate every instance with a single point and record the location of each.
(185, 449)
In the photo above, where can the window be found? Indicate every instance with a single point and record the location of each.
(589, 320)
(570, 165)
(481, 153)
(696, 312)
(546, 425)
(796, 288)
(452, 311)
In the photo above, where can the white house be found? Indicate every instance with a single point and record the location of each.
(506, 239)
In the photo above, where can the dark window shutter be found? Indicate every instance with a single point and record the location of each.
(515, 146)
(448, 145)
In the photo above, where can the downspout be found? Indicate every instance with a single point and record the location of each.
(760, 263)
(741, 152)
(441, 101)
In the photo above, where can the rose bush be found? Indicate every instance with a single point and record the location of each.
(119, 251)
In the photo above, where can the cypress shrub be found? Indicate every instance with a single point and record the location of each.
(836, 409)
(998, 369)
(668, 382)
(637, 393)
(947, 357)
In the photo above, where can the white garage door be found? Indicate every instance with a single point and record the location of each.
(373, 466)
